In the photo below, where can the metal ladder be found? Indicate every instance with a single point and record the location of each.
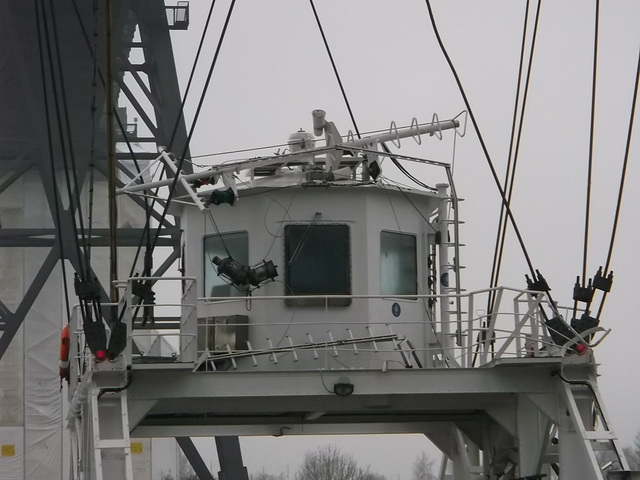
(449, 306)
(582, 399)
(110, 425)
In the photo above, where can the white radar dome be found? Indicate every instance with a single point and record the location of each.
(300, 140)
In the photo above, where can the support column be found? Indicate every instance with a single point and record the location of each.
(230, 457)
(532, 428)
(192, 454)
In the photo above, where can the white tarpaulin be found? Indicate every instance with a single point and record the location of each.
(43, 401)
(11, 453)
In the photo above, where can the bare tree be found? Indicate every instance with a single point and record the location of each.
(423, 468)
(267, 476)
(371, 476)
(633, 453)
(185, 469)
(329, 463)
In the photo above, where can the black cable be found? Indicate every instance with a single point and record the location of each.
(56, 199)
(429, 224)
(92, 149)
(494, 174)
(481, 139)
(75, 196)
(181, 159)
(335, 69)
(97, 74)
(123, 131)
(511, 168)
(591, 137)
(622, 180)
(191, 75)
(118, 389)
(404, 170)
(147, 230)
(624, 166)
(83, 271)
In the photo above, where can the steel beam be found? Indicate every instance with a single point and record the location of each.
(194, 458)
(13, 321)
(75, 25)
(46, 237)
(230, 457)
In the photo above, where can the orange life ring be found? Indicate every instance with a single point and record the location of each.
(65, 342)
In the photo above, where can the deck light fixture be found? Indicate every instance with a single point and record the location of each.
(343, 387)
(242, 275)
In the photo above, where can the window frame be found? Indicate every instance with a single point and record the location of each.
(347, 279)
(415, 264)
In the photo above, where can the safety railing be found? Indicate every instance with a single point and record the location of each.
(180, 342)
(516, 327)
(262, 332)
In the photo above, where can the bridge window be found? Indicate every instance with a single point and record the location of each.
(317, 262)
(233, 244)
(398, 264)
(178, 16)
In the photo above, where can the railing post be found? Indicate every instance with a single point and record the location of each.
(127, 304)
(188, 322)
(443, 255)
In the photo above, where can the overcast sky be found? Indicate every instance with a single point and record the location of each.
(273, 71)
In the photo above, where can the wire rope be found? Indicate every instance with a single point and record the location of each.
(63, 148)
(91, 304)
(587, 212)
(623, 176)
(72, 157)
(174, 183)
(92, 149)
(56, 198)
(514, 150)
(503, 197)
(191, 75)
(509, 174)
(625, 164)
(481, 140)
(335, 68)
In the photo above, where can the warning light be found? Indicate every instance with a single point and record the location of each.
(581, 348)
(218, 197)
(101, 355)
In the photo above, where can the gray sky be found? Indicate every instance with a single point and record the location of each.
(273, 71)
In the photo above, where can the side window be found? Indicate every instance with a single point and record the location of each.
(317, 262)
(234, 244)
(398, 264)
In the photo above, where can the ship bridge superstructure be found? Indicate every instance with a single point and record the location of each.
(317, 298)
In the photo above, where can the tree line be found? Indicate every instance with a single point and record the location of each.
(329, 463)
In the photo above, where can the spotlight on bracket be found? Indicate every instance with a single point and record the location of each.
(343, 387)
(242, 275)
(231, 269)
(262, 272)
